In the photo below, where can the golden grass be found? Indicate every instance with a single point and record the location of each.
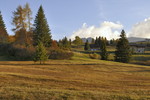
(78, 79)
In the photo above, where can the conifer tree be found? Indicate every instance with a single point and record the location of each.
(123, 52)
(104, 53)
(96, 41)
(99, 41)
(41, 53)
(93, 41)
(64, 43)
(3, 31)
(87, 46)
(41, 32)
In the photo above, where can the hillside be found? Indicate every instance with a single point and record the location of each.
(78, 79)
(136, 39)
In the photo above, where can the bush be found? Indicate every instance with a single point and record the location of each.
(4, 49)
(94, 56)
(60, 54)
(17, 52)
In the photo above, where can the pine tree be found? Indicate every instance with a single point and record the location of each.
(70, 41)
(96, 41)
(104, 53)
(64, 43)
(87, 46)
(42, 31)
(99, 41)
(41, 53)
(123, 52)
(93, 41)
(3, 31)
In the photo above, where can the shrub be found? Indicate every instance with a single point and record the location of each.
(94, 56)
(60, 54)
(4, 49)
(17, 52)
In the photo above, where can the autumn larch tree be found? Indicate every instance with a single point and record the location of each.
(21, 21)
(41, 29)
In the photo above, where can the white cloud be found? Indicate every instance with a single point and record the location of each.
(141, 29)
(106, 29)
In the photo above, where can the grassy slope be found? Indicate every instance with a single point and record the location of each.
(78, 79)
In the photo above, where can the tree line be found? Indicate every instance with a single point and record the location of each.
(123, 52)
(31, 41)
(34, 40)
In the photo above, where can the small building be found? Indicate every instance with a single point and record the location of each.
(147, 40)
(138, 48)
(94, 47)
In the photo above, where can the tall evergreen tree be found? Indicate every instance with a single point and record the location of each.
(41, 53)
(123, 52)
(99, 40)
(104, 53)
(41, 32)
(93, 41)
(3, 31)
(87, 46)
(96, 41)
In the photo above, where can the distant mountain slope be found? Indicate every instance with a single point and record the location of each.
(89, 39)
(131, 39)
(136, 39)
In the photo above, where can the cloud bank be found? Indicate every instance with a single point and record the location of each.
(106, 29)
(141, 29)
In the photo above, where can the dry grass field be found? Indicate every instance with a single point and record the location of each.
(78, 79)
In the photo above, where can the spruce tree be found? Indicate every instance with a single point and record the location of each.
(3, 32)
(64, 43)
(87, 46)
(96, 41)
(123, 52)
(93, 41)
(41, 53)
(41, 32)
(104, 53)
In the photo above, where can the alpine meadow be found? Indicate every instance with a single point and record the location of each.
(41, 60)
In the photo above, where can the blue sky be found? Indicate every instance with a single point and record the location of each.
(67, 17)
